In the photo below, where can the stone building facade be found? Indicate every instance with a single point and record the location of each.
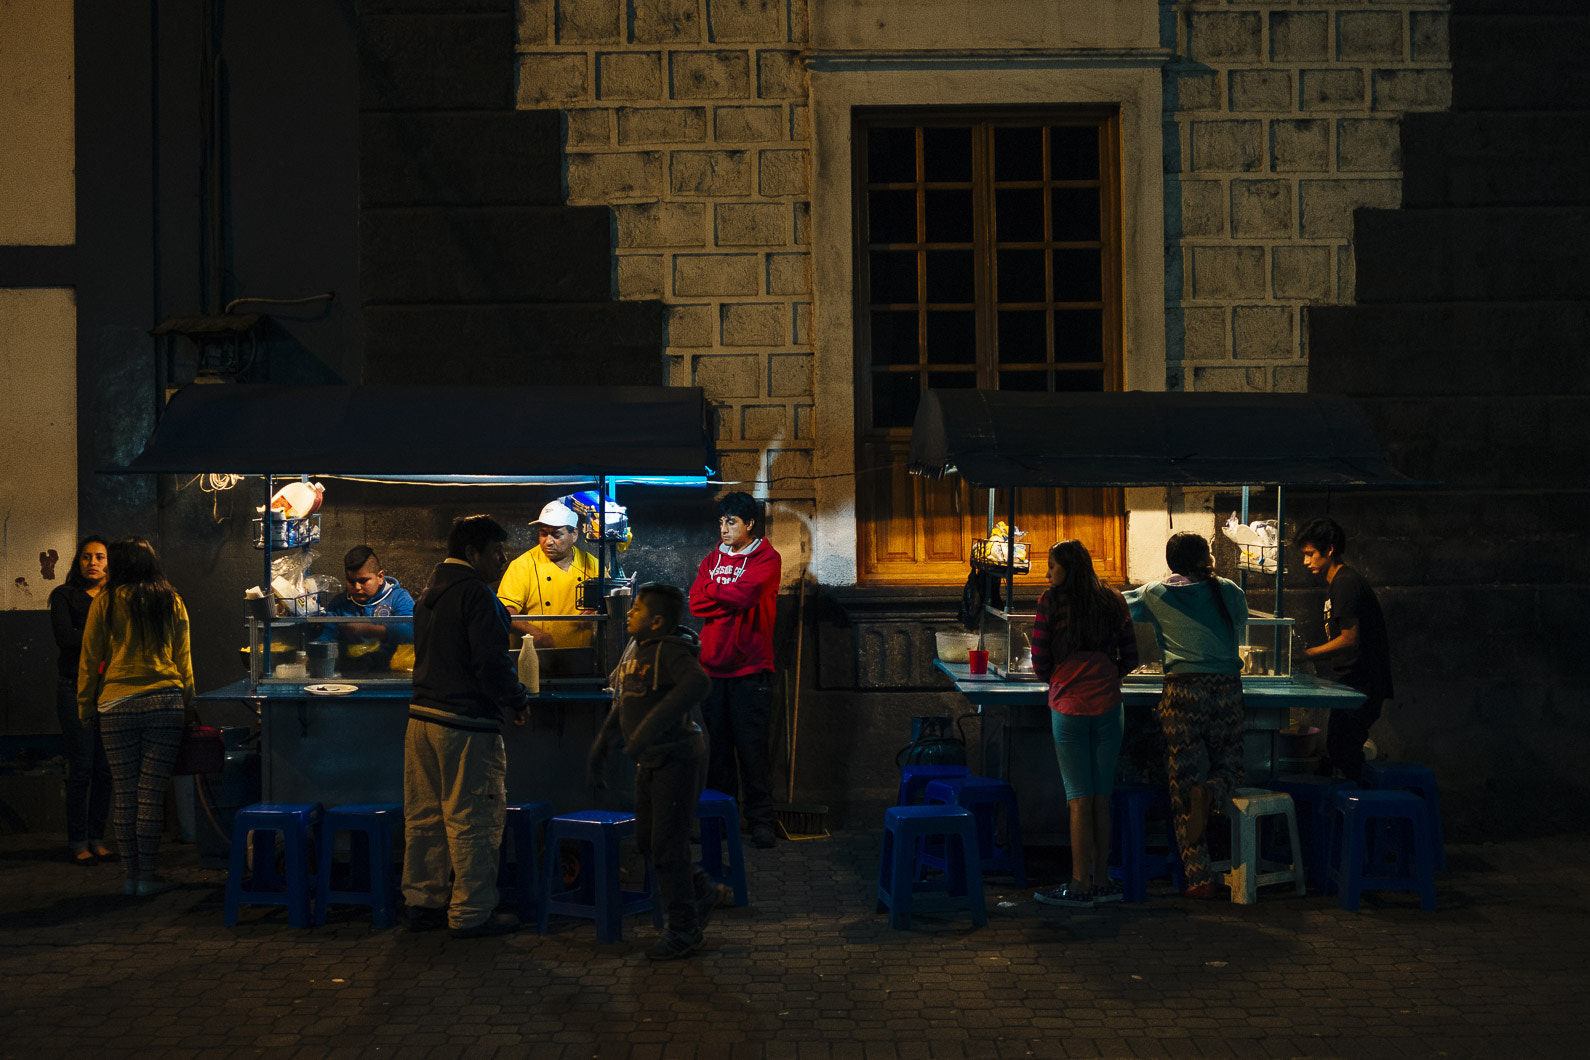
(719, 133)
(694, 121)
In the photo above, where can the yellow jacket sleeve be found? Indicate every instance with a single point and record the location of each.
(514, 589)
(96, 649)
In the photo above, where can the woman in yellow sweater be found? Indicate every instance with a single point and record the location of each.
(136, 672)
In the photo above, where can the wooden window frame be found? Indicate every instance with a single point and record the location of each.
(1096, 515)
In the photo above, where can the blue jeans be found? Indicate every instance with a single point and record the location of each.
(87, 769)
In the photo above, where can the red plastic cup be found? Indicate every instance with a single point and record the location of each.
(977, 661)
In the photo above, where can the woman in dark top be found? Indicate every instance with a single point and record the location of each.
(87, 770)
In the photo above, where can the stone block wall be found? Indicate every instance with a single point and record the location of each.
(1282, 119)
(688, 118)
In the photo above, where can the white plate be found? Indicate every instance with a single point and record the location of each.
(330, 690)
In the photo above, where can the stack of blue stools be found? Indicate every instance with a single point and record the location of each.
(719, 817)
(1315, 799)
(1135, 864)
(984, 797)
(905, 830)
(298, 823)
(372, 838)
(598, 894)
(915, 779)
(1410, 776)
(522, 823)
(1401, 855)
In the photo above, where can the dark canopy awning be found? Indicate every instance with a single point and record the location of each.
(1006, 438)
(435, 434)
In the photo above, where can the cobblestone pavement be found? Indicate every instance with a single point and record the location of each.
(809, 972)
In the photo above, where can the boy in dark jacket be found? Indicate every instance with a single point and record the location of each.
(657, 686)
(454, 763)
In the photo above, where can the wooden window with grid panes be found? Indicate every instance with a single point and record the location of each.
(988, 256)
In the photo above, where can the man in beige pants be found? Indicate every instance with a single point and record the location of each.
(454, 764)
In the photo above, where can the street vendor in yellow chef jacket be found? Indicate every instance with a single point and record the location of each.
(544, 580)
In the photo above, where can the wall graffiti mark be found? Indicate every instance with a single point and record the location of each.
(47, 561)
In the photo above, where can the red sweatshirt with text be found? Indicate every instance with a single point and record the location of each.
(736, 594)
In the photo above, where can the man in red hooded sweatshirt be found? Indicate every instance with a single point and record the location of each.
(736, 595)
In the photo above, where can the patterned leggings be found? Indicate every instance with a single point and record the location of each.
(141, 737)
(1201, 715)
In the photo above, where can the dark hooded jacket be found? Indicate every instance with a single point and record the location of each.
(658, 685)
(463, 676)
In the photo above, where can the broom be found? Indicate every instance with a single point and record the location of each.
(798, 822)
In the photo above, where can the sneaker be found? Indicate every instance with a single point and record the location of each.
(672, 945)
(717, 895)
(762, 837)
(1069, 893)
(129, 887)
(1199, 890)
(424, 918)
(151, 887)
(1108, 891)
(496, 924)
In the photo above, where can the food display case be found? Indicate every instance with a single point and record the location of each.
(1005, 441)
(333, 704)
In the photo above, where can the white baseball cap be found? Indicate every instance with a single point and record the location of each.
(556, 513)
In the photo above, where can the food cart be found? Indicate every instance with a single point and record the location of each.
(1002, 441)
(347, 746)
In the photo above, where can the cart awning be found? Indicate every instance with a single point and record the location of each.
(1004, 438)
(481, 435)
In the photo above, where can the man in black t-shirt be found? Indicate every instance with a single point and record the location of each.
(1356, 648)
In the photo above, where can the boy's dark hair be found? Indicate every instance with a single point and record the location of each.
(665, 600)
(745, 508)
(1325, 534)
(74, 573)
(359, 555)
(473, 532)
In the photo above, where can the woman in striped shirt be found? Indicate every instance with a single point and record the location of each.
(1083, 644)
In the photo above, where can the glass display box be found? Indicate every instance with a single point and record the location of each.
(305, 649)
(378, 652)
(1266, 648)
(1264, 644)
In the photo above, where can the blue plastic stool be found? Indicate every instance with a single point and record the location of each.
(522, 822)
(1389, 866)
(899, 890)
(1410, 776)
(372, 836)
(1131, 861)
(719, 816)
(984, 796)
(598, 894)
(1315, 800)
(297, 822)
(914, 781)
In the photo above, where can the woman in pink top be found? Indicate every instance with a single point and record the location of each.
(1083, 644)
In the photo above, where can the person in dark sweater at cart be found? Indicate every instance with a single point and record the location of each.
(1356, 651)
(657, 686)
(736, 595)
(88, 780)
(454, 763)
(369, 647)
